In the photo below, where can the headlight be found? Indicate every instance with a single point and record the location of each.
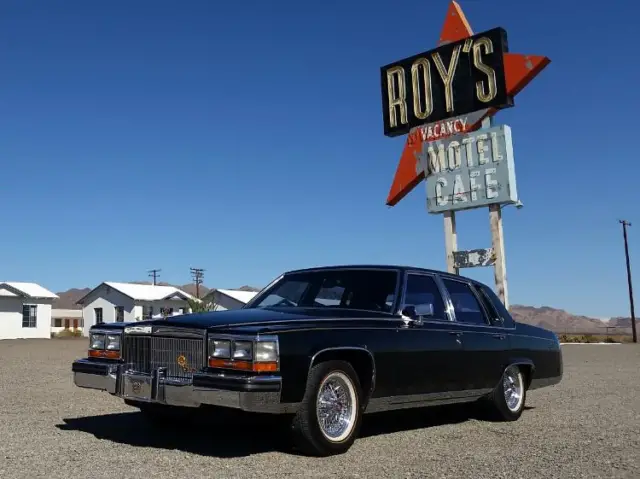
(266, 351)
(246, 354)
(104, 344)
(242, 350)
(113, 342)
(221, 349)
(97, 341)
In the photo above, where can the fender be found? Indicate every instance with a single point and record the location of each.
(519, 361)
(348, 348)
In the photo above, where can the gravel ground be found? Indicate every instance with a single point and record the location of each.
(588, 426)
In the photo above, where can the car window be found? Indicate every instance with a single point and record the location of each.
(465, 303)
(360, 289)
(422, 289)
(288, 295)
(497, 304)
(329, 294)
(494, 316)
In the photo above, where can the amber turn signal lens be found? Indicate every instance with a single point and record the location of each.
(243, 365)
(101, 353)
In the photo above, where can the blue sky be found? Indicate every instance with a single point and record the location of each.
(246, 138)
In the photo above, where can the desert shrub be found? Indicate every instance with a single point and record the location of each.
(68, 333)
(65, 333)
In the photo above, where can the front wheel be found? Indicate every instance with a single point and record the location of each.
(509, 396)
(329, 417)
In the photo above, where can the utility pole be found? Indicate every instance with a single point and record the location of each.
(154, 274)
(198, 274)
(626, 253)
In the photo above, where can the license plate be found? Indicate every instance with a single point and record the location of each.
(137, 387)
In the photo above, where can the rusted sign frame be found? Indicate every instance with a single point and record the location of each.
(497, 255)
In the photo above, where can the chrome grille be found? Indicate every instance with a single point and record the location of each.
(180, 356)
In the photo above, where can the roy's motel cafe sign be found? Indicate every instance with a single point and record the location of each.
(448, 91)
(443, 100)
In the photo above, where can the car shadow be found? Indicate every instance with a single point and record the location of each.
(247, 434)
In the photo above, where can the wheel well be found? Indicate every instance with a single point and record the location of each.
(360, 359)
(527, 371)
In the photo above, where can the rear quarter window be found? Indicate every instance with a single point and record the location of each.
(497, 306)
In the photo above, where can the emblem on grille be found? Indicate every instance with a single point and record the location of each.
(184, 364)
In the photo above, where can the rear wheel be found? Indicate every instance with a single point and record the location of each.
(509, 396)
(329, 417)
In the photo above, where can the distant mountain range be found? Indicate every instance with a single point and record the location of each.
(561, 321)
(557, 320)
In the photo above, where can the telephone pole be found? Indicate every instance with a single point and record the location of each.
(626, 253)
(154, 274)
(198, 274)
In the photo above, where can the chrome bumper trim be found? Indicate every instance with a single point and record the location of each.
(155, 388)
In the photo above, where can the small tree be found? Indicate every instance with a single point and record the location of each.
(199, 306)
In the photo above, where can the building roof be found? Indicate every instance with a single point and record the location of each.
(242, 296)
(66, 313)
(143, 292)
(30, 290)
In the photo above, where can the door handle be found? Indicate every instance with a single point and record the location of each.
(499, 336)
(455, 333)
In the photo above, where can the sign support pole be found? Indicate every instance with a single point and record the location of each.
(500, 265)
(450, 240)
(497, 242)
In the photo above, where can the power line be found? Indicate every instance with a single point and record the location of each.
(626, 253)
(198, 275)
(154, 274)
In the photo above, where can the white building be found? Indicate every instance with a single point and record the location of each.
(112, 302)
(222, 299)
(66, 319)
(25, 310)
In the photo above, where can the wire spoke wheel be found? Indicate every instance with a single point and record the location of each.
(513, 388)
(336, 406)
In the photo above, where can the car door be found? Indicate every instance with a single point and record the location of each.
(429, 361)
(484, 347)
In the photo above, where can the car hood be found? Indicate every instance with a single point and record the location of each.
(264, 316)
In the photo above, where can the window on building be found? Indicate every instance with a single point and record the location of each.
(97, 313)
(119, 314)
(147, 312)
(29, 315)
(57, 322)
(465, 303)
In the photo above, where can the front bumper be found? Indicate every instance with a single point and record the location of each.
(248, 393)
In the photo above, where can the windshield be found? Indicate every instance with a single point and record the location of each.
(365, 289)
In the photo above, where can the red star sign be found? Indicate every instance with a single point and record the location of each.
(519, 71)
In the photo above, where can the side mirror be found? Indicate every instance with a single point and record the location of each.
(416, 311)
